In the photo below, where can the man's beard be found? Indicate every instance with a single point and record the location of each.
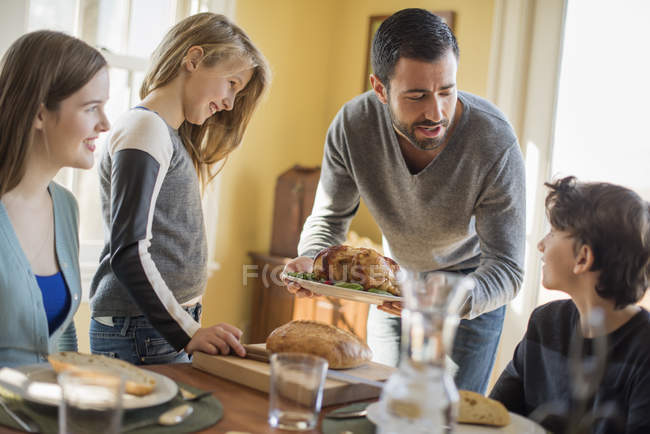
(428, 144)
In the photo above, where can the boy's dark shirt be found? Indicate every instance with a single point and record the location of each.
(539, 371)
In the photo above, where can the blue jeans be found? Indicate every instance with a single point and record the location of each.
(135, 340)
(474, 350)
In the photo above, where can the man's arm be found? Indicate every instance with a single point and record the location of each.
(337, 195)
(500, 224)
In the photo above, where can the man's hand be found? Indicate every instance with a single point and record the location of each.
(301, 264)
(392, 307)
(218, 339)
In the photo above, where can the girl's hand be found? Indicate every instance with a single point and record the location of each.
(301, 264)
(392, 307)
(217, 339)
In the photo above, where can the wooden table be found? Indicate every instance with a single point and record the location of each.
(244, 409)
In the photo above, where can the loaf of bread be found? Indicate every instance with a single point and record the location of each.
(137, 381)
(478, 409)
(341, 348)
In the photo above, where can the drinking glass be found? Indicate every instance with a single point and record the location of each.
(296, 391)
(91, 402)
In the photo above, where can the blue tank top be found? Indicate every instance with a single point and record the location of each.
(56, 299)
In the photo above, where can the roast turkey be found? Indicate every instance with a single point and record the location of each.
(357, 265)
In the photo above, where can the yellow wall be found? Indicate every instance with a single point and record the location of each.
(317, 51)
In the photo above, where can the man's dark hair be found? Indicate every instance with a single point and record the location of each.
(413, 34)
(615, 222)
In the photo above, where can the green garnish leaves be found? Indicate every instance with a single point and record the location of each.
(349, 285)
(379, 291)
(346, 285)
(306, 276)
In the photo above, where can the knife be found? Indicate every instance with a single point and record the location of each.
(257, 353)
(261, 355)
(349, 378)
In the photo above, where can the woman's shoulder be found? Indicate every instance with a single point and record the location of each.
(60, 194)
(64, 200)
(140, 129)
(140, 118)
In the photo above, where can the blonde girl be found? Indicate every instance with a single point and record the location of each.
(53, 88)
(204, 83)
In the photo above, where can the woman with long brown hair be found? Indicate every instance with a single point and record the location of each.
(53, 88)
(205, 80)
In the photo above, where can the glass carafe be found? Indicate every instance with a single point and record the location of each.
(421, 397)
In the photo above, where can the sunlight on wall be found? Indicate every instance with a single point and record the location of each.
(518, 304)
(601, 125)
(601, 131)
(532, 174)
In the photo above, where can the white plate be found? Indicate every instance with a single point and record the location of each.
(42, 388)
(345, 293)
(518, 424)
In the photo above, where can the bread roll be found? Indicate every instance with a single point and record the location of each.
(478, 409)
(137, 381)
(342, 349)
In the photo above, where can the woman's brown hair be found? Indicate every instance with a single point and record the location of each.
(42, 67)
(220, 40)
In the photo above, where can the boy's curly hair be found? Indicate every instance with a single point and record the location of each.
(615, 222)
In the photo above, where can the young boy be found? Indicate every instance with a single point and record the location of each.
(598, 252)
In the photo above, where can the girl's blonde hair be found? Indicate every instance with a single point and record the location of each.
(220, 40)
(42, 67)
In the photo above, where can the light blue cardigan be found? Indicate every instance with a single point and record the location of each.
(24, 334)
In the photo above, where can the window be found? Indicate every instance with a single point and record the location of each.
(127, 32)
(600, 130)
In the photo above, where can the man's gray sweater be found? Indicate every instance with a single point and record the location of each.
(465, 209)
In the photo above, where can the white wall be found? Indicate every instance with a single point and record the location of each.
(523, 82)
(13, 21)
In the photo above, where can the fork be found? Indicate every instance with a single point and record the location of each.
(25, 422)
(346, 414)
(190, 396)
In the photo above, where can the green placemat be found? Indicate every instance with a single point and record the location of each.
(207, 412)
(358, 425)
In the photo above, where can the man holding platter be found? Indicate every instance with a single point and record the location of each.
(442, 174)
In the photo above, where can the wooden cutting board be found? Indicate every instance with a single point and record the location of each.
(257, 375)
